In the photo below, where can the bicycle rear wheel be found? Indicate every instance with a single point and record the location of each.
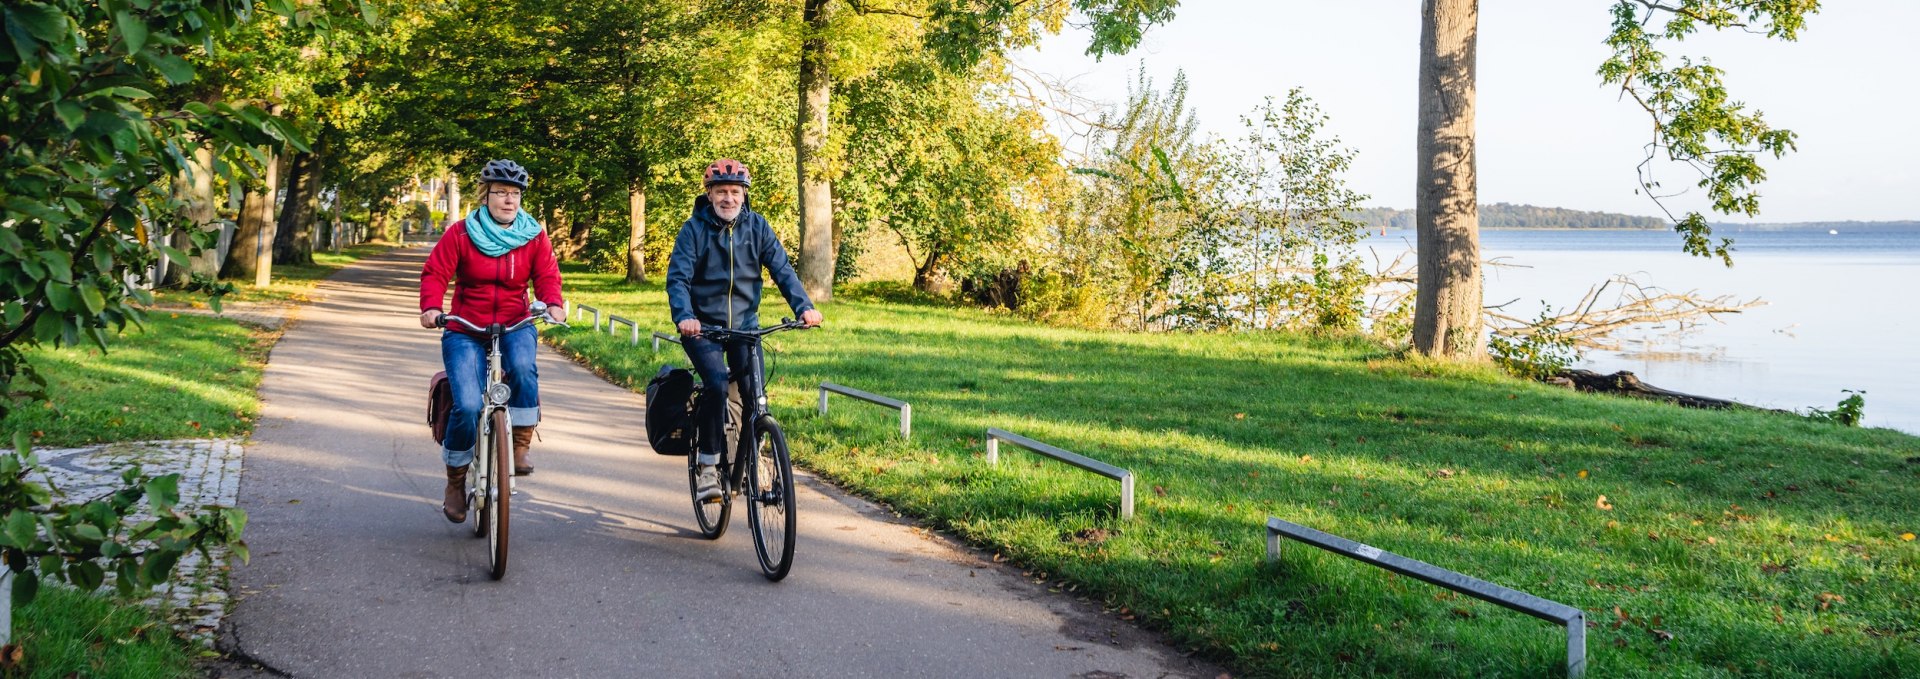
(500, 489)
(770, 511)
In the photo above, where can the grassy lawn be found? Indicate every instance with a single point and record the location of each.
(183, 376)
(1700, 543)
(66, 633)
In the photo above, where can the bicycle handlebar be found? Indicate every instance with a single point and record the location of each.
(715, 332)
(538, 309)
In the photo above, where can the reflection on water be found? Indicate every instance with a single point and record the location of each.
(1841, 311)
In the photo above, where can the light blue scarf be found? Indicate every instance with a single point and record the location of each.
(494, 239)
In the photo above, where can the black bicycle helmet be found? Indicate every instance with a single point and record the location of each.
(505, 172)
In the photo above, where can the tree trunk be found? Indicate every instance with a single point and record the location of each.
(252, 252)
(310, 210)
(196, 187)
(1446, 312)
(288, 222)
(809, 136)
(454, 211)
(637, 232)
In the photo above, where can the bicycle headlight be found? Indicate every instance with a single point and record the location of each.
(498, 392)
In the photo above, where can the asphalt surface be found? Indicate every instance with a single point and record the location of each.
(356, 574)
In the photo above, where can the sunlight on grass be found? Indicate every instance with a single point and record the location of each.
(1727, 543)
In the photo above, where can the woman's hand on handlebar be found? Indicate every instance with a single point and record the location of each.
(429, 318)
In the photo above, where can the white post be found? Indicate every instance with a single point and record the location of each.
(6, 605)
(906, 416)
(823, 400)
(993, 450)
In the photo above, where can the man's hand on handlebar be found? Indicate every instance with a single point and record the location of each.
(689, 327)
(812, 318)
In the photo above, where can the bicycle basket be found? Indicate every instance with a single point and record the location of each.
(670, 411)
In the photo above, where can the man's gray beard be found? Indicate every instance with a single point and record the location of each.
(724, 216)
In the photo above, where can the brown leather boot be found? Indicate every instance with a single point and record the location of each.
(455, 506)
(522, 440)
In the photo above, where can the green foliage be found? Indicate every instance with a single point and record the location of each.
(966, 32)
(1697, 123)
(44, 538)
(91, 127)
(1536, 352)
(1847, 413)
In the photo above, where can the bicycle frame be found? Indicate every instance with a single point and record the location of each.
(753, 397)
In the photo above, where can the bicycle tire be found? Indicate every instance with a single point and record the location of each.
(501, 481)
(770, 501)
(712, 516)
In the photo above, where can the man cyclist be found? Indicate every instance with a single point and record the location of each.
(713, 278)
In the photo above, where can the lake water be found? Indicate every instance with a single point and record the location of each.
(1842, 310)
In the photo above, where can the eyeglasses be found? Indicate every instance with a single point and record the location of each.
(505, 194)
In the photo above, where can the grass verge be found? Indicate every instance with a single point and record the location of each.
(183, 376)
(68, 633)
(1699, 543)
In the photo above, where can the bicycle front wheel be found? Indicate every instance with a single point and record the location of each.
(479, 476)
(499, 489)
(770, 511)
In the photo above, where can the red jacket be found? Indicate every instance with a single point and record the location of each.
(488, 289)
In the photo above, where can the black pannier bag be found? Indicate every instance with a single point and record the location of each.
(670, 399)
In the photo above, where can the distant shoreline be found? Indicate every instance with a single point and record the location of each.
(1842, 227)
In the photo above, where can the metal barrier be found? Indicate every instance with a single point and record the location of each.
(657, 336)
(995, 436)
(906, 409)
(581, 309)
(1574, 619)
(632, 341)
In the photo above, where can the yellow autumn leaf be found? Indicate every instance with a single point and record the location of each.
(1583, 473)
(1603, 504)
(1907, 536)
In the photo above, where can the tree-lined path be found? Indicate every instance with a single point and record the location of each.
(355, 573)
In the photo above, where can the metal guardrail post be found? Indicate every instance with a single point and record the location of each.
(581, 309)
(6, 606)
(657, 336)
(634, 339)
(996, 435)
(1574, 619)
(906, 409)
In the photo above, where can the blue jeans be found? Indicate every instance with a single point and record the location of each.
(466, 360)
(715, 364)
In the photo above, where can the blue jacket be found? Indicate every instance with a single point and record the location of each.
(714, 272)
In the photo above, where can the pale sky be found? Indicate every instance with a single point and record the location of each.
(1549, 132)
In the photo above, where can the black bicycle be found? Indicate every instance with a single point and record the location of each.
(757, 468)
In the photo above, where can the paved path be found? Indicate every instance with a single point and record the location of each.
(356, 574)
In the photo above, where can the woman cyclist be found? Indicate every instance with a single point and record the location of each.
(490, 257)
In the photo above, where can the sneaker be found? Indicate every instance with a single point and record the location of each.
(707, 483)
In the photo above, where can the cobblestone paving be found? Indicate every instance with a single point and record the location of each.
(209, 472)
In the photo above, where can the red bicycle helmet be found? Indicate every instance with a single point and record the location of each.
(728, 171)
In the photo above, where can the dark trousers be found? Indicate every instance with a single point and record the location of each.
(715, 363)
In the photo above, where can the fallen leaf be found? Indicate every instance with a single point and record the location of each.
(1306, 458)
(1443, 473)
(1583, 473)
(1907, 537)
(1662, 635)
(1713, 540)
(1239, 416)
(1603, 504)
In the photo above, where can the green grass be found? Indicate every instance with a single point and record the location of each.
(183, 376)
(67, 633)
(1736, 543)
